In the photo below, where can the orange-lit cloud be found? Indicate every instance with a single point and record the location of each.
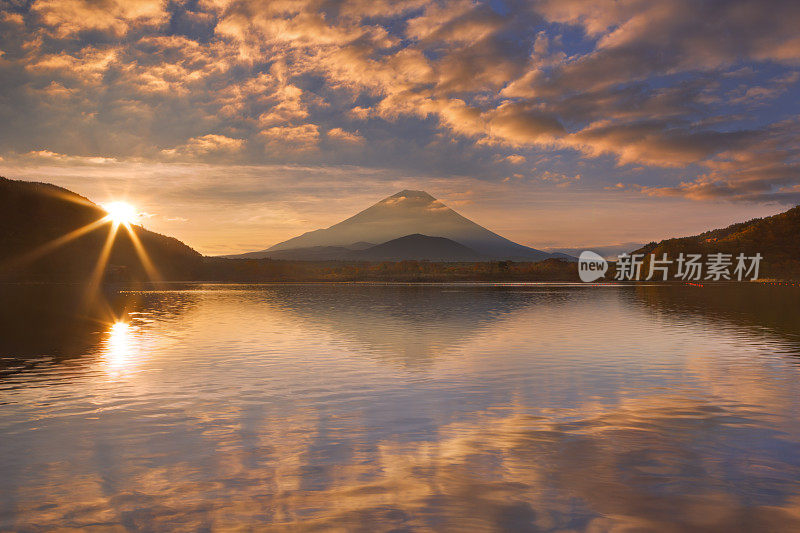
(207, 144)
(67, 17)
(454, 88)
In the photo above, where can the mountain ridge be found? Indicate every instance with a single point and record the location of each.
(35, 215)
(415, 247)
(36, 218)
(419, 247)
(776, 238)
(404, 213)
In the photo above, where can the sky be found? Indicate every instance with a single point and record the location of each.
(235, 124)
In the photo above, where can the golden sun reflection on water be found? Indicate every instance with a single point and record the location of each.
(121, 349)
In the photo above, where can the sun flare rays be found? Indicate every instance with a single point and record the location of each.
(144, 258)
(50, 246)
(121, 213)
(118, 214)
(96, 277)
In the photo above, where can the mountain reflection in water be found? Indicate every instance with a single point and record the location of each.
(401, 407)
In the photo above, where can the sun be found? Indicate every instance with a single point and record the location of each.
(119, 328)
(121, 213)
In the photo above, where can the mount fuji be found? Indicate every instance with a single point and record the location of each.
(405, 214)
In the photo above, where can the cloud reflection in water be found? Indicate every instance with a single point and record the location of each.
(512, 409)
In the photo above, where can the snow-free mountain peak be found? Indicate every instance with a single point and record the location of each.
(412, 195)
(409, 212)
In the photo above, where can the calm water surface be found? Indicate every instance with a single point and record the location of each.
(375, 408)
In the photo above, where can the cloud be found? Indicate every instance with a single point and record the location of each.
(86, 66)
(338, 134)
(652, 142)
(638, 39)
(562, 180)
(54, 157)
(765, 168)
(207, 144)
(635, 83)
(758, 94)
(287, 106)
(303, 137)
(68, 17)
(518, 124)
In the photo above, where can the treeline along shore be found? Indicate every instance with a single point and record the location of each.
(50, 234)
(267, 270)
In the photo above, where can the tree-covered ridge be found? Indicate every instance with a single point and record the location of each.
(776, 238)
(269, 270)
(36, 218)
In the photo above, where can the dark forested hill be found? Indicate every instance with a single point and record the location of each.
(48, 233)
(407, 248)
(420, 247)
(776, 238)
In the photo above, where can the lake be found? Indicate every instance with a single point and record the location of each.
(401, 407)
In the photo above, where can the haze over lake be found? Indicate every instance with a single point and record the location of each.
(395, 407)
